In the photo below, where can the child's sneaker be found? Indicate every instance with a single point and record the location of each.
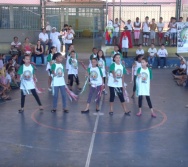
(49, 89)
(146, 44)
(164, 67)
(159, 66)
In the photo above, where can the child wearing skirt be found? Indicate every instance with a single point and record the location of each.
(27, 85)
(96, 81)
(116, 83)
(144, 75)
(58, 82)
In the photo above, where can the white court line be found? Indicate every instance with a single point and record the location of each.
(93, 136)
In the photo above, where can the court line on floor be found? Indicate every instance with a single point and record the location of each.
(93, 135)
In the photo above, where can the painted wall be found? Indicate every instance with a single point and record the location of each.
(18, 2)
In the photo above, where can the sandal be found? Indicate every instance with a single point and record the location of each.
(54, 110)
(21, 110)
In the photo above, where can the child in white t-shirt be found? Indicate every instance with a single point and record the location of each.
(162, 54)
(93, 55)
(73, 70)
(181, 70)
(50, 61)
(125, 45)
(27, 85)
(152, 52)
(146, 31)
(116, 31)
(160, 27)
(96, 80)
(144, 75)
(58, 82)
(139, 51)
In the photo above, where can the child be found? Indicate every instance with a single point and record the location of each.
(116, 51)
(139, 51)
(137, 26)
(145, 28)
(116, 31)
(116, 83)
(27, 76)
(73, 70)
(144, 75)
(173, 32)
(96, 81)
(180, 70)
(102, 64)
(93, 55)
(160, 27)
(136, 65)
(162, 54)
(125, 45)
(58, 82)
(49, 63)
(152, 51)
(153, 27)
(166, 36)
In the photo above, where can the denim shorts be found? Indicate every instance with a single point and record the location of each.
(115, 34)
(124, 49)
(173, 35)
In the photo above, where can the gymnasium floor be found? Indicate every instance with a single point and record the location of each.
(44, 139)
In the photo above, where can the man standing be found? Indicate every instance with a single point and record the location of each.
(54, 36)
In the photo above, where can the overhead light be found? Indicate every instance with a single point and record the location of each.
(56, 0)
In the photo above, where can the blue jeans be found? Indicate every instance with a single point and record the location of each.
(151, 60)
(63, 96)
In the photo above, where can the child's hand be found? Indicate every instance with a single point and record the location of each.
(139, 75)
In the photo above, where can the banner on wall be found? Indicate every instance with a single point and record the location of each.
(182, 37)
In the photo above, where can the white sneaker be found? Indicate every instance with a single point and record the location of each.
(49, 89)
(143, 44)
(164, 67)
(186, 106)
(159, 67)
(146, 44)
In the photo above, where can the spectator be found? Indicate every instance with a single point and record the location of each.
(162, 54)
(139, 51)
(153, 27)
(44, 39)
(152, 51)
(54, 36)
(125, 44)
(173, 32)
(63, 33)
(160, 27)
(68, 40)
(116, 26)
(39, 52)
(71, 30)
(16, 46)
(137, 26)
(9, 63)
(180, 70)
(27, 47)
(48, 30)
(145, 29)
(180, 19)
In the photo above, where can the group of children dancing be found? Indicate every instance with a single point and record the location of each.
(96, 75)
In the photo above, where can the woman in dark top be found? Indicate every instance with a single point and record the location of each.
(39, 52)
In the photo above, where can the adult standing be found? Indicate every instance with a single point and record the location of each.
(44, 39)
(54, 36)
(68, 40)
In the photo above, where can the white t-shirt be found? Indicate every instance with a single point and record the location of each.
(183, 66)
(73, 66)
(48, 67)
(69, 40)
(145, 27)
(129, 27)
(95, 75)
(102, 65)
(48, 28)
(162, 53)
(8, 78)
(137, 66)
(137, 24)
(26, 76)
(16, 45)
(119, 71)
(116, 27)
(160, 26)
(43, 37)
(152, 51)
(54, 36)
(139, 52)
(125, 42)
(173, 28)
(143, 83)
(58, 79)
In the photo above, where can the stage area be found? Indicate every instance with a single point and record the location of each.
(44, 139)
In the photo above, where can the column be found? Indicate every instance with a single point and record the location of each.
(62, 18)
(11, 16)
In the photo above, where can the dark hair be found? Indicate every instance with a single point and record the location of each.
(72, 51)
(56, 55)
(15, 37)
(152, 44)
(43, 29)
(162, 44)
(14, 55)
(138, 57)
(102, 55)
(26, 55)
(115, 56)
(94, 48)
(65, 25)
(71, 45)
(161, 18)
(153, 19)
(147, 17)
(26, 38)
(139, 45)
(10, 69)
(146, 60)
(51, 49)
(9, 59)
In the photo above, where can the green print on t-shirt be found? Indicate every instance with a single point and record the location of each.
(144, 77)
(27, 75)
(118, 73)
(59, 72)
(93, 75)
(100, 63)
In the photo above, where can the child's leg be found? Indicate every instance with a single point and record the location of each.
(134, 87)
(126, 54)
(91, 91)
(70, 76)
(98, 98)
(77, 80)
(49, 81)
(150, 105)
(112, 97)
(63, 96)
(140, 104)
(55, 99)
(34, 93)
(153, 60)
(22, 99)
